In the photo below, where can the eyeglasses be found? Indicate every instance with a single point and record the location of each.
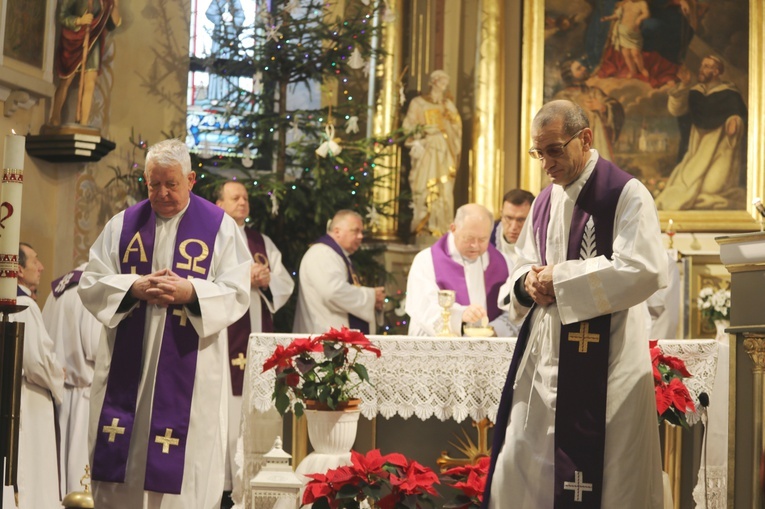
(553, 152)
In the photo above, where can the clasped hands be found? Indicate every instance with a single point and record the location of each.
(379, 297)
(260, 275)
(163, 288)
(539, 284)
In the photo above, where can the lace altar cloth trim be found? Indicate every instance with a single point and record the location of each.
(449, 378)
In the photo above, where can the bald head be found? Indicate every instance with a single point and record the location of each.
(472, 230)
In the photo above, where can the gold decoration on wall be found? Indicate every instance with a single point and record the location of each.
(487, 176)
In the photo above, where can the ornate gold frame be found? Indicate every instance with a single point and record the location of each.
(532, 97)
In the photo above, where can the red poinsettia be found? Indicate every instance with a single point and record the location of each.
(673, 400)
(319, 369)
(471, 481)
(390, 482)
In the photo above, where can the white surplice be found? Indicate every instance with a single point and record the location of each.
(42, 384)
(76, 333)
(584, 289)
(422, 293)
(664, 305)
(325, 297)
(281, 287)
(223, 299)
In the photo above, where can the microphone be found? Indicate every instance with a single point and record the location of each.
(757, 202)
(704, 399)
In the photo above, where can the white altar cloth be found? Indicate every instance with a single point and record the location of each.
(449, 378)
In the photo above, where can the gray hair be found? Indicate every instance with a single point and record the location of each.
(472, 209)
(573, 116)
(340, 216)
(169, 153)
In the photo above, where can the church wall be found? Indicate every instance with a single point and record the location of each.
(141, 90)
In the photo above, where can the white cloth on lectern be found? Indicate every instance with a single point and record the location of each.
(422, 293)
(42, 385)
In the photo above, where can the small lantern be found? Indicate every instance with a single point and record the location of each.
(80, 499)
(276, 486)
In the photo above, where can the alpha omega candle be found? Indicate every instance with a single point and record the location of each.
(10, 216)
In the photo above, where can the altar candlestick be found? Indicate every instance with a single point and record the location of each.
(10, 216)
(671, 233)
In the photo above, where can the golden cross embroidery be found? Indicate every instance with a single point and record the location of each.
(583, 337)
(114, 429)
(240, 361)
(182, 313)
(166, 440)
(578, 486)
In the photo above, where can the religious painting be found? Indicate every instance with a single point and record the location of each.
(24, 38)
(666, 86)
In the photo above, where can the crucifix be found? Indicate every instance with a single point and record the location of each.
(240, 361)
(166, 440)
(114, 429)
(583, 337)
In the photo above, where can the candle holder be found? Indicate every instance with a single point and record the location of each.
(446, 299)
(11, 355)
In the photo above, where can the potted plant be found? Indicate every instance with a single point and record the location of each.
(470, 481)
(673, 400)
(320, 372)
(715, 307)
(383, 482)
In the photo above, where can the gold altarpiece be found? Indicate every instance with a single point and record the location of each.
(468, 43)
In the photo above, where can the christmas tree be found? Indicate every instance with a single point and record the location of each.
(288, 97)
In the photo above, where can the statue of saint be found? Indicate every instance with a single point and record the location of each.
(84, 24)
(435, 153)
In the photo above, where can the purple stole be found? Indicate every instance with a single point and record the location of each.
(239, 331)
(450, 275)
(354, 321)
(174, 382)
(580, 417)
(62, 284)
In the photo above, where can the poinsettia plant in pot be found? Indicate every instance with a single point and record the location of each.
(322, 369)
(470, 481)
(673, 400)
(372, 480)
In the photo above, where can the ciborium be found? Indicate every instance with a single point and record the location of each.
(446, 301)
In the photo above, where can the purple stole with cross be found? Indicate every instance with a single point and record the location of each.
(239, 331)
(176, 368)
(354, 322)
(580, 416)
(62, 284)
(450, 275)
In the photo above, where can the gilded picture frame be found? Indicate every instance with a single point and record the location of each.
(540, 18)
(27, 43)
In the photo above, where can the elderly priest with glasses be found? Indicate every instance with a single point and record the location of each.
(576, 426)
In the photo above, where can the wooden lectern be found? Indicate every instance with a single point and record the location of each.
(744, 257)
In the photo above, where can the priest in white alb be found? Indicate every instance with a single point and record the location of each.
(330, 292)
(270, 288)
(466, 262)
(576, 425)
(77, 334)
(42, 385)
(174, 271)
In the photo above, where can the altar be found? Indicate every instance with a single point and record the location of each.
(449, 379)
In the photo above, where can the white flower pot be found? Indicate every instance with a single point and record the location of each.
(332, 434)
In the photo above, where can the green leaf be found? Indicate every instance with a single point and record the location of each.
(281, 402)
(362, 372)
